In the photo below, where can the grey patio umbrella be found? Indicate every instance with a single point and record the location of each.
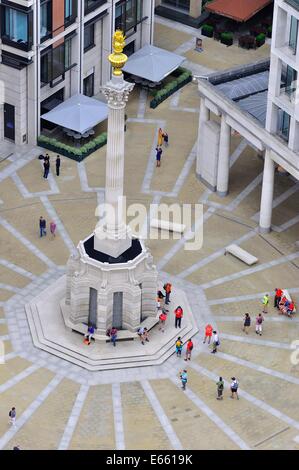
(153, 63)
(78, 113)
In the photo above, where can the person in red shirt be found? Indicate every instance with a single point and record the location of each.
(178, 316)
(189, 348)
(162, 320)
(208, 333)
(277, 298)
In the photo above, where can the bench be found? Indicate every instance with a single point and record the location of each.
(166, 225)
(243, 255)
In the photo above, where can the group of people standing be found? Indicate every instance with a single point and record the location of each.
(43, 227)
(162, 138)
(47, 165)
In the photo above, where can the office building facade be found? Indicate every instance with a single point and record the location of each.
(53, 49)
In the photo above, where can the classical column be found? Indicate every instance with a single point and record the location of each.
(112, 235)
(223, 160)
(267, 194)
(204, 116)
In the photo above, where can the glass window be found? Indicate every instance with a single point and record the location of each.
(128, 14)
(55, 61)
(17, 27)
(45, 20)
(90, 5)
(70, 11)
(293, 34)
(285, 126)
(182, 4)
(291, 81)
(88, 37)
(88, 85)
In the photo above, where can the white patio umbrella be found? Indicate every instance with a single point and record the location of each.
(153, 63)
(78, 113)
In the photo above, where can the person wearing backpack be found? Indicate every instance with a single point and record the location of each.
(234, 388)
(184, 378)
(220, 388)
(12, 416)
(189, 350)
(258, 324)
(179, 347)
(247, 322)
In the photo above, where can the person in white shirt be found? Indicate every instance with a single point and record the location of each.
(234, 388)
(215, 342)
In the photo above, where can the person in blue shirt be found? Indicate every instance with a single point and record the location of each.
(184, 379)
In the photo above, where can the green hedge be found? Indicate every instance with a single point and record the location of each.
(182, 78)
(260, 39)
(207, 30)
(76, 153)
(227, 38)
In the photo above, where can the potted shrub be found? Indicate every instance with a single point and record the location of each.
(260, 40)
(227, 38)
(207, 30)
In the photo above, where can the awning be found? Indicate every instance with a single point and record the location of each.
(78, 113)
(152, 63)
(238, 10)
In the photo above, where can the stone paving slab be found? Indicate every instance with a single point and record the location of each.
(95, 427)
(141, 425)
(184, 415)
(44, 429)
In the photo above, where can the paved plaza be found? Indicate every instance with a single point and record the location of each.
(63, 406)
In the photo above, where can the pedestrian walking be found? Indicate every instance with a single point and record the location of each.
(165, 137)
(42, 226)
(278, 296)
(113, 335)
(158, 156)
(216, 342)
(178, 316)
(247, 322)
(179, 347)
(234, 388)
(208, 333)
(220, 388)
(160, 137)
(162, 320)
(184, 378)
(52, 228)
(88, 336)
(167, 287)
(259, 324)
(46, 166)
(57, 165)
(189, 348)
(265, 303)
(12, 416)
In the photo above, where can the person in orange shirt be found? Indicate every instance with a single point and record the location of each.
(167, 288)
(208, 333)
(189, 348)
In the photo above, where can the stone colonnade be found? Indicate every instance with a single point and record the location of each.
(213, 160)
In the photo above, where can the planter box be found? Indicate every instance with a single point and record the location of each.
(66, 153)
(208, 34)
(227, 42)
(260, 43)
(156, 101)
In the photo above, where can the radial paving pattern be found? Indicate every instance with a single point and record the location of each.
(60, 405)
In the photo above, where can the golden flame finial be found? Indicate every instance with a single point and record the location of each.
(117, 59)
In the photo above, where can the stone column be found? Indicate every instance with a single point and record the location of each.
(112, 237)
(204, 116)
(267, 194)
(223, 160)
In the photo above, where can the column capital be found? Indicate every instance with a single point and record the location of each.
(117, 93)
